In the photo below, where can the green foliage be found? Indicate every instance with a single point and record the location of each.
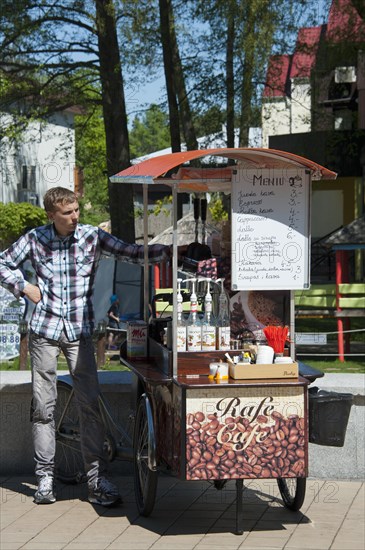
(159, 208)
(216, 208)
(209, 121)
(91, 157)
(149, 132)
(15, 218)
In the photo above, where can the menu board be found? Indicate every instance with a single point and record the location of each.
(270, 229)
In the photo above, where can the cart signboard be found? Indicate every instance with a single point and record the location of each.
(257, 432)
(270, 229)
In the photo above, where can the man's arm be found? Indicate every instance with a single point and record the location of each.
(11, 277)
(132, 252)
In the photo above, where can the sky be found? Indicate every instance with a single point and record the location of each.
(139, 96)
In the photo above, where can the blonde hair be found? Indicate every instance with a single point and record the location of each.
(58, 195)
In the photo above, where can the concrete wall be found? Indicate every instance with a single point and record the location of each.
(16, 449)
(16, 446)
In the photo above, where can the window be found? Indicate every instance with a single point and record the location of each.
(28, 178)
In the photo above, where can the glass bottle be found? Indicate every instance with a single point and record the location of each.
(193, 328)
(181, 324)
(223, 321)
(208, 323)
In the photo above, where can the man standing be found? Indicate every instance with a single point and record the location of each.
(65, 257)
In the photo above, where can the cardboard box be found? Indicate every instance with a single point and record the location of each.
(246, 371)
(137, 332)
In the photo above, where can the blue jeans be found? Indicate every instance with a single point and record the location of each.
(81, 362)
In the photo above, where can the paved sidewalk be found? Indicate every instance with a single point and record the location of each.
(187, 515)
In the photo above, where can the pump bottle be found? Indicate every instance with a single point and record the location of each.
(208, 323)
(223, 322)
(181, 324)
(193, 328)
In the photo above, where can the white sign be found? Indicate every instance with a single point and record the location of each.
(11, 312)
(310, 338)
(270, 229)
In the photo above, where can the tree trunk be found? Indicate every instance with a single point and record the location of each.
(169, 76)
(186, 119)
(230, 79)
(248, 71)
(246, 98)
(168, 59)
(115, 121)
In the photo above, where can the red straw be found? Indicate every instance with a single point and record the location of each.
(276, 337)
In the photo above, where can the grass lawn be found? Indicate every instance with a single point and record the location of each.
(354, 367)
(330, 365)
(329, 326)
(111, 363)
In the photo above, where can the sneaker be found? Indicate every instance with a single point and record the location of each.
(45, 493)
(104, 492)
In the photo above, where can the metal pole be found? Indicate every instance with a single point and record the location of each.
(239, 508)
(292, 324)
(174, 280)
(145, 243)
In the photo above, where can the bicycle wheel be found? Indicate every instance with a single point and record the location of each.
(68, 459)
(119, 437)
(292, 491)
(144, 447)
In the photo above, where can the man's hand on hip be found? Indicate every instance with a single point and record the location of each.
(33, 293)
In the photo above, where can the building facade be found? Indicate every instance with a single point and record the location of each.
(42, 158)
(314, 106)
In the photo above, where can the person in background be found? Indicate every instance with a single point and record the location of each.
(113, 320)
(65, 255)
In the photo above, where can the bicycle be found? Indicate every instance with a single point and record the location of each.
(134, 442)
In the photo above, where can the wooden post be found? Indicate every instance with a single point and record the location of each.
(100, 350)
(100, 345)
(23, 351)
(157, 275)
(339, 268)
(23, 347)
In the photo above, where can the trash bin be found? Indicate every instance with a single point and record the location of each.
(328, 416)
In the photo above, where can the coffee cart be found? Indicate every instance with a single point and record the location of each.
(187, 422)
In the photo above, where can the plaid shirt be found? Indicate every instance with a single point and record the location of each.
(65, 270)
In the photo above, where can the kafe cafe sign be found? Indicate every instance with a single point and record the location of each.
(11, 312)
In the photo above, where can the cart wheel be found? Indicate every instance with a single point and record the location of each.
(68, 459)
(292, 491)
(144, 448)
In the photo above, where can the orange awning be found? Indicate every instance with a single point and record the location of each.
(155, 168)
